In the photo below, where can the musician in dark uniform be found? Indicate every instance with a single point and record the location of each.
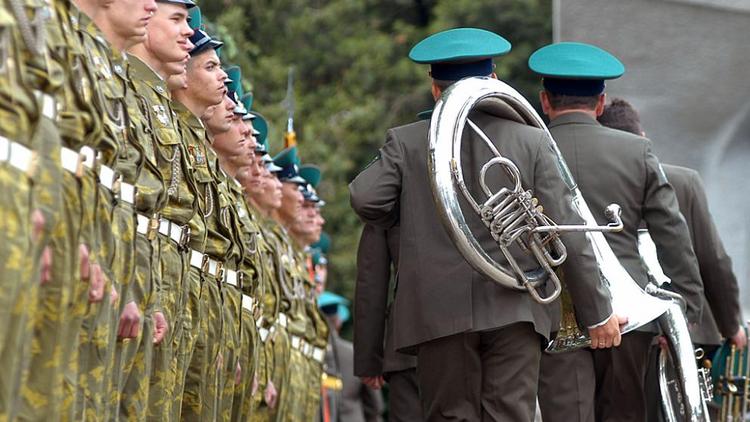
(478, 344)
(375, 358)
(722, 318)
(610, 166)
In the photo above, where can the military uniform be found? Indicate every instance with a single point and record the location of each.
(635, 181)
(28, 139)
(449, 314)
(374, 354)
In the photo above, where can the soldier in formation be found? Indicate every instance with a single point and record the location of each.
(155, 257)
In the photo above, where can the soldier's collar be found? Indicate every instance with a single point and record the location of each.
(149, 76)
(573, 118)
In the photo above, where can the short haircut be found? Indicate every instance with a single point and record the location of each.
(565, 102)
(620, 114)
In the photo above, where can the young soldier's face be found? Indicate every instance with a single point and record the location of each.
(270, 196)
(257, 176)
(233, 144)
(291, 201)
(129, 18)
(218, 119)
(205, 79)
(168, 36)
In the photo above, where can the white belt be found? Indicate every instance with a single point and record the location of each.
(296, 343)
(204, 263)
(107, 177)
(74, 161)
(282, 320)
(230, 277)
(127, 193)
(143, 224)
(48, 103)
(248, 303)
(306, 349)
(319, 354)
(175, 232)
(263, 334)
(16, 154)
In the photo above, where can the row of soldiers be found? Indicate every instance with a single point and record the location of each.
(153, 255)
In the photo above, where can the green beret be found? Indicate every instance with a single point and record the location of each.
(573, 60)
(194, 18)
(311, 173)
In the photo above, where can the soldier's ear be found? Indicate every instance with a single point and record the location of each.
(600, 104)
(436, 91)
(544, 100)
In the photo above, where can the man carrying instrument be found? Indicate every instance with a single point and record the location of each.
(477, 343)
(609, 166)
(722, 317)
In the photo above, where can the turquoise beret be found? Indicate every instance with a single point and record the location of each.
(310, 173)
(573, 60)
(424, 115)
(195, 18)
(324, 243)
(461, 52)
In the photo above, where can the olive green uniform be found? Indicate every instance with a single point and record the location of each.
(271, 333)
(135, 355)
(21, 131)
(115, 232)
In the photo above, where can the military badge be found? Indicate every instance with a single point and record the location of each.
(197, 155)
(101, 66)
(161, 115)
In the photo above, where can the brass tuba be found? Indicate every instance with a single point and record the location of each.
(513, 216)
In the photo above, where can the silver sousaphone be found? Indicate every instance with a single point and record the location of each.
(513, 216)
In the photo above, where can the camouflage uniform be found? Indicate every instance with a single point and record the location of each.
(273, 338)
(179, 225)
(293, 393)
(22, 118)
(115, 225)
(135, 355)
(202, 347)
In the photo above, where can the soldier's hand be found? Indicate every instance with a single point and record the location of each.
(238, 374)
(37, 224)
(130, 321)
(96, 284)
(376, 383)
(740, 338)
(45, 264)
(160, 327)
(113, 296)
(607, 335)
(270, 395)
(83, 262)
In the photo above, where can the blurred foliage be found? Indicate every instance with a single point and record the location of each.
(353, 79)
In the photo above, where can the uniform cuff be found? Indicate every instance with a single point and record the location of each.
(601, 323)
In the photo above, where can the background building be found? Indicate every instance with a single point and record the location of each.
(688, 73)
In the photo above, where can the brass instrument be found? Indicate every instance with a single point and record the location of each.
(732, 381)
(513, 217)
(685, 389)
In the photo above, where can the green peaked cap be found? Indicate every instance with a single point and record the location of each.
(261, 125)
(574, 60)
(324, 243)
(235, 74)
(195, 18)
(311, 173)
(247, 100)
(459, 45)
(425, 115)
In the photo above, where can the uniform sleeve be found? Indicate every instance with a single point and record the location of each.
(719, 281)
(580, 272)
(375, 192)
(671, 236)
(370, 301)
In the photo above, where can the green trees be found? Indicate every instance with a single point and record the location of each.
(353, 79)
